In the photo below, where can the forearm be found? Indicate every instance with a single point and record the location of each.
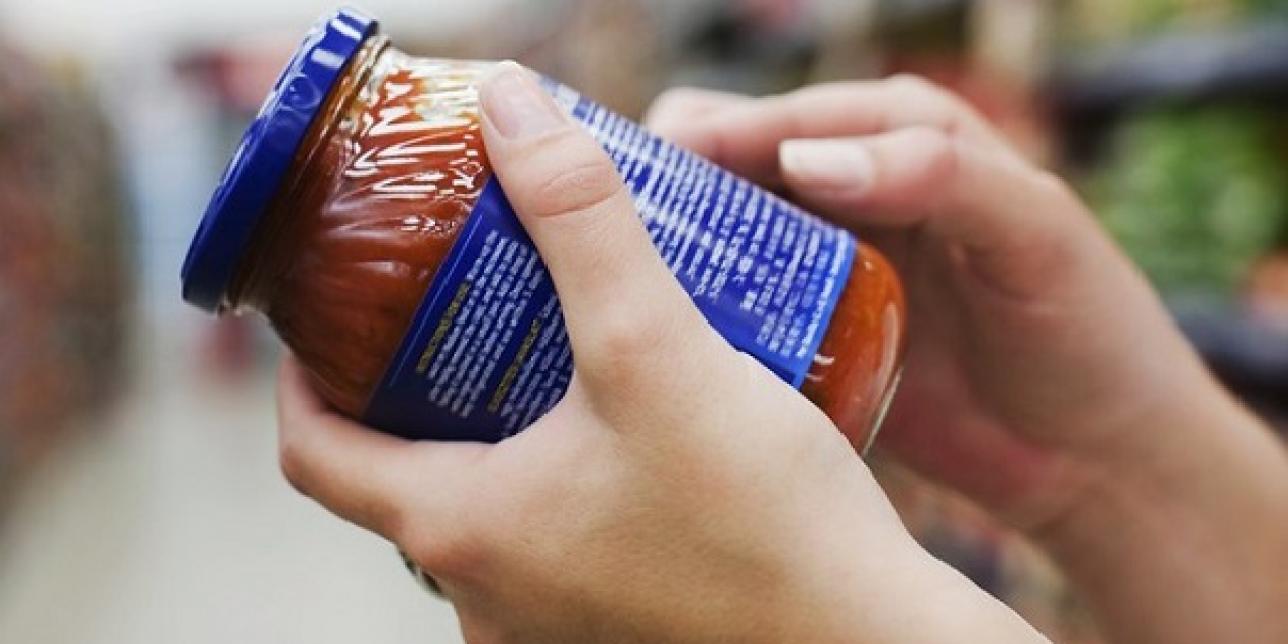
(920, 600)
(1184, 537)
(954, 609)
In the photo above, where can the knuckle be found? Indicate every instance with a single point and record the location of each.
(453, 553)
(1054, 185)
(943, 108)
(921, 90)
(390, 518)
(578, 188)
(481, 630)
(646, 351)
(576, 180)
(677, 101)
(914, 85)
(294, 465)
(810, 94)
(940, 153)
(1065, 208)
(627, 331)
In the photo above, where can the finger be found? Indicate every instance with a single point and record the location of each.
(366, 477)
(617, 293)
(1012, 220)
(745, 138)
(681, 105)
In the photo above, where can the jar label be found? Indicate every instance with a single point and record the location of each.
(487, 353)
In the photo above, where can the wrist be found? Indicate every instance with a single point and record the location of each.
(902, 595)
(1204, 458)
(1196, 498)
(946, 606)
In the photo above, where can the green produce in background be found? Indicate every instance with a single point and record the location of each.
(1195, 196)
(1101, 21)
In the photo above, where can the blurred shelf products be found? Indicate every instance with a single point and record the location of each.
(1093, 23)
(1245, 63)
(64, 279)
(1171, 114)
(1247, 350)
(1195, 196)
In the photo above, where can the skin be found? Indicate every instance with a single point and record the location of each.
(1044, 379)
(688, 495)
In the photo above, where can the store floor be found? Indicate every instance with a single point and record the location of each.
(170, 523)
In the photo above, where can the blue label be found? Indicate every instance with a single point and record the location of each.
(487, 353)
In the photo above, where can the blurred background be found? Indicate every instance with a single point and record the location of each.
(139, 496)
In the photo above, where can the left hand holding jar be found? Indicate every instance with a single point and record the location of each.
(679, 495)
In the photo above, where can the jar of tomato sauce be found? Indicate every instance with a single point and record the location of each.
(359, 215)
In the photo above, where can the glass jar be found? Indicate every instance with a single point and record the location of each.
(360, 216)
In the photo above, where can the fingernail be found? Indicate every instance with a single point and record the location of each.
(516, 106)
(835, 166)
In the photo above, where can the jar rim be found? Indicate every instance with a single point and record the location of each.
(267, 153)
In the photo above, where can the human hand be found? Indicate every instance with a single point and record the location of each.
(1044, 378)
(679, 492)
(1035, 345)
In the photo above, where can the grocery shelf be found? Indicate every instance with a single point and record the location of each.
(1244, 63)
(1251, 357)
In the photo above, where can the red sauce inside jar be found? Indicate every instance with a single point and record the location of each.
(387, 177)
(857, 367)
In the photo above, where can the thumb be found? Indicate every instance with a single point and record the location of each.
(614, 286)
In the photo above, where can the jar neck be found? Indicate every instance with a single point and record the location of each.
(270, 254)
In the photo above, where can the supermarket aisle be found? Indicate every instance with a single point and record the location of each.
(173, 525)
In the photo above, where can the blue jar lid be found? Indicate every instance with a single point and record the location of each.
(266, 153)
